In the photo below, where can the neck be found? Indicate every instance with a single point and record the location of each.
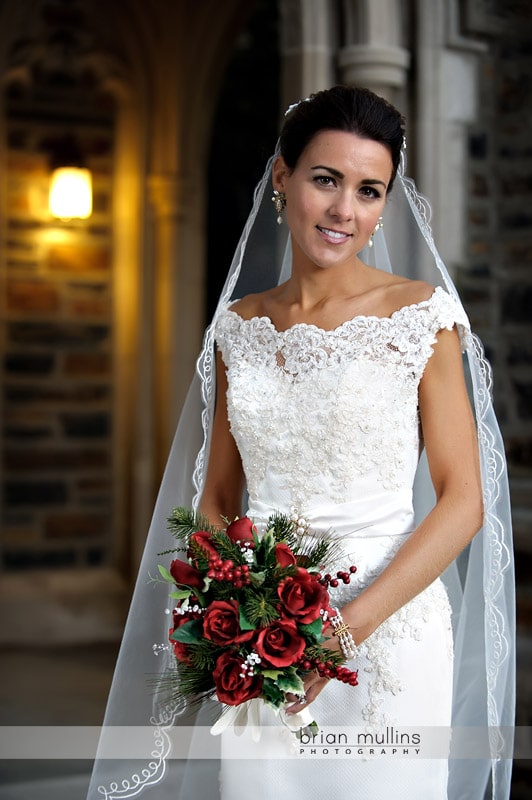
(310, 287)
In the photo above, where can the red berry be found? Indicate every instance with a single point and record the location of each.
(352, 568)
(334, 583)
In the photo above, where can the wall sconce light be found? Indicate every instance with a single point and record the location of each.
(70, 195)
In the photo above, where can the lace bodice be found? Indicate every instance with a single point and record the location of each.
(325, 415)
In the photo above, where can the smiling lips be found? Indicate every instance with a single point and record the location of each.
(334, 236)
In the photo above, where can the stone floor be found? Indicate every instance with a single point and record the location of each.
(69, 685)
(52, 686)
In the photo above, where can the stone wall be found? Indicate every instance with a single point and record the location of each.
(56, 340)
(496, 279)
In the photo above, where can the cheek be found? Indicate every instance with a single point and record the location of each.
(368, 218)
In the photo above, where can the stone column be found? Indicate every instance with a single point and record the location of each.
(447, 92)
(306, 33)
(165, 192)
(373, 55)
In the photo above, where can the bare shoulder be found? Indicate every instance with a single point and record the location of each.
(248, 306)
(405, 292)
(254, 305)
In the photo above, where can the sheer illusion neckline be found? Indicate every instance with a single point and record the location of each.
(357, 318)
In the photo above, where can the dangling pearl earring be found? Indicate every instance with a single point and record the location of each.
(279, 202)
(377, 226)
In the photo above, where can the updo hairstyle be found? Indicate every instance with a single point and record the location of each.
(343, 108)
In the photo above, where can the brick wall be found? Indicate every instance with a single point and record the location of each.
(496, 280)
(56, 342)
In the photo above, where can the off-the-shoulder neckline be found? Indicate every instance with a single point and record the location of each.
(358, 317)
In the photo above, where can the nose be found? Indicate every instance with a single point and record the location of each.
(342, 207)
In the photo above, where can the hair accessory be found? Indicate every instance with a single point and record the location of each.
(341, 629)
(279, 201)
(295, 105)
(379, 225)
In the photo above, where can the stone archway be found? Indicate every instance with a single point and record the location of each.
(157, 217)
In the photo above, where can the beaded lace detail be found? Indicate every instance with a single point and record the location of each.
(407, 622)
(321, 408)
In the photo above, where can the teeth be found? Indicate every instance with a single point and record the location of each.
(334, 234)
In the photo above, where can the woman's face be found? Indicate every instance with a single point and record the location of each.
(334, 196)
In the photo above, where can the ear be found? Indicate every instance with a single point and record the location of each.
(280, 172)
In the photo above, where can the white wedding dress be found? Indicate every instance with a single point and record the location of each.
(327, 425)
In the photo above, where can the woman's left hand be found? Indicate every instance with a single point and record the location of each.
(313, 684)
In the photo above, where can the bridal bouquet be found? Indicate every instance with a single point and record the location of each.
(251, 611)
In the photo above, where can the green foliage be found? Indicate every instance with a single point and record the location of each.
(227, 548)
(283, 529)
(165, 574)
(203, 655)
(261, 608)
(188, 633)
(324, 654)
(183, 522)
(272, 693)
(194, 682)
(313, 631)
(289, 681)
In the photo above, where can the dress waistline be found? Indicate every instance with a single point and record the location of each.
(356, 519)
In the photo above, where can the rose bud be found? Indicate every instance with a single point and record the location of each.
(185, 575)
(203, 540)
(284, 556)
(241, 530)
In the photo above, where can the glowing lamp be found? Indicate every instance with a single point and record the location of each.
(71, 193)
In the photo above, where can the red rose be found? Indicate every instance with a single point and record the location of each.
(203, 540)
(231, 687)
(221, 623)
(303, 596)
(185, 575)
(241, 530)
(280, 644)
(180, 648)
(284, 556)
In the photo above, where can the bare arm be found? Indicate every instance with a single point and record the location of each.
(452, 452)
(222, 495)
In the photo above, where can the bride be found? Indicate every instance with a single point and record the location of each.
(329, 385)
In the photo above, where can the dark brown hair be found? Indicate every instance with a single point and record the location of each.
(343, 108)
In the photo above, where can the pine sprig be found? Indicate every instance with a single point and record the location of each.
(261, 609)
(193, 681)
(184, 682)
(183, 522)
(203, 655)
(283, 529)
(321, 653)
(227, 548)
(313, 554)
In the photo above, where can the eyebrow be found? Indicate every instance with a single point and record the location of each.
(338, 174)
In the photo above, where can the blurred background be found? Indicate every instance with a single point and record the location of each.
(167, 111)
